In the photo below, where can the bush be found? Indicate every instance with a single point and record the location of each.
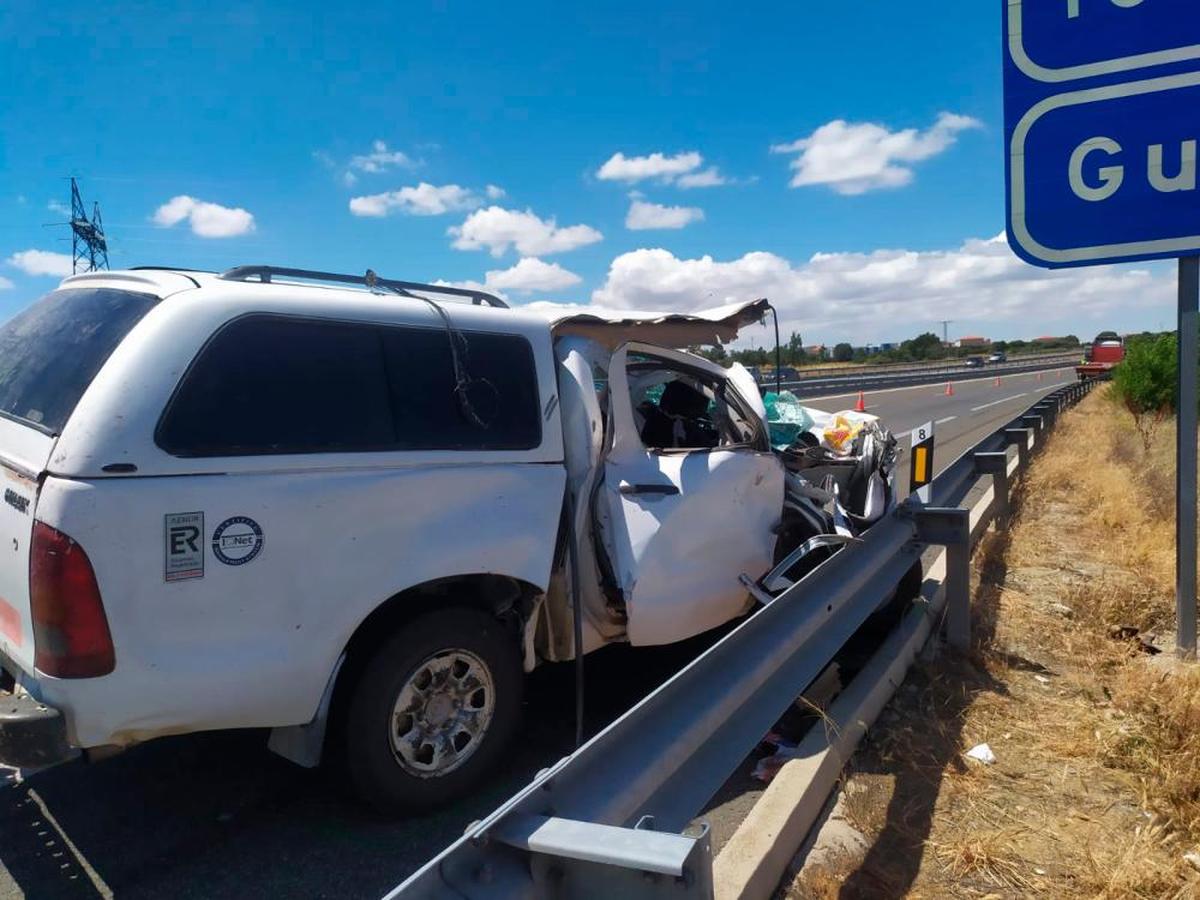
(1145, 382)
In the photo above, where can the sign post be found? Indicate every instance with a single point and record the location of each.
(1185, 458)
(1102, 125)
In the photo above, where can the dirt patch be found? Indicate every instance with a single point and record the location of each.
(1095, 788)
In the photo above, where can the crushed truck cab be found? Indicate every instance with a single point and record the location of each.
(354, 510)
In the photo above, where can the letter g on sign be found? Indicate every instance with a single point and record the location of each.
(1111, 177)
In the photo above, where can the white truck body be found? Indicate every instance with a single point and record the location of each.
(233, 585)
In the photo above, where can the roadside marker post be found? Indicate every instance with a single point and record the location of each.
(1101, 167)
(920, 470)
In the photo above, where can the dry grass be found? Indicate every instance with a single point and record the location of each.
(1096, 789)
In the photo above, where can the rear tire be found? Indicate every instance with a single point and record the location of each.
(433, 711)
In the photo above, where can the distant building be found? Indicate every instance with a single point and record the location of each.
(972, 343)
(820, 351)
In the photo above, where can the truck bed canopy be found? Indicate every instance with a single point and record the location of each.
(612, 328)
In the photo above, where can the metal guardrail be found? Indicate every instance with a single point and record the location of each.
(616, 818)
(949, 364)
(871, 380)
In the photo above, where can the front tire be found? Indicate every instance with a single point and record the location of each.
(433, 711)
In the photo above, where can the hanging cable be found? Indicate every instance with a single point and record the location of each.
(459, 353)
(778, 353)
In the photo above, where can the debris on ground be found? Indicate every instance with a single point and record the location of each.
(982, 753)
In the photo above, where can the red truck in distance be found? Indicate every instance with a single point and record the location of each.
(1101, 355)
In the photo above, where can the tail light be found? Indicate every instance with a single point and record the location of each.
(70, 631)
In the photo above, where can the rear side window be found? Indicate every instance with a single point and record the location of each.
(272, 384)
(502, 411)
(50, 353)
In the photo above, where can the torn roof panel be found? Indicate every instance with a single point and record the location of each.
(613, 327)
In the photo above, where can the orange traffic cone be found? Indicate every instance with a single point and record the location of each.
(949, 389)
(997, 381)
(1039, 376)
(861, 405)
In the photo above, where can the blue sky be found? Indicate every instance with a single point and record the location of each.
(217, 138)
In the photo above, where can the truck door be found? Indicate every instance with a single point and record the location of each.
(691, 496)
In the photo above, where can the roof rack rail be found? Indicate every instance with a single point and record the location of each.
(370, 279)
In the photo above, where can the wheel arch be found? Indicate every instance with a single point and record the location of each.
(510, 599)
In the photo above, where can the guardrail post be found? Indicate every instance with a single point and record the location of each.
(1020, 438)
(1048, 412)
(951, 528)
(996, 465)
(1037, 425)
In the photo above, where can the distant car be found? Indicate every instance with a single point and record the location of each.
(998, 357)
(974, 362)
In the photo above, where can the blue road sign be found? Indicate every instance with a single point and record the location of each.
(1102, 120)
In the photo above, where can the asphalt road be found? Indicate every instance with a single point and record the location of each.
(218, 815)
(978, 407)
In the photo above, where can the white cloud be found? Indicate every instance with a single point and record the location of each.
(41, 262)
(531, 274)
(682, 170)
(380, 159)
(709, 177)
(497, 229)
(5, 284)
(856, 157)
(422, 200)
(209, 220)
(494, 192)
(630, 169)
(59, 208)
(887, 294)
(643, 216)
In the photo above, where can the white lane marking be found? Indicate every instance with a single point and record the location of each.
(933, 385)
(909, 429)
(998, 402)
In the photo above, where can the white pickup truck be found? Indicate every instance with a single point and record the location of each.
(357, 514)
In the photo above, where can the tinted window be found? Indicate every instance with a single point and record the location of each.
(502, 411)
(50, 353)
(273, 385)
(268, 384)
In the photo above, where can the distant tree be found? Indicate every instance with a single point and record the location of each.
(843, 353)
(793, 353)
(716, 353)
(754, 357)
(923, 346)
(1145, 382)
(1000, 346)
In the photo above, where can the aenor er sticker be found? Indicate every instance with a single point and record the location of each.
(184, 534)
(237, 540)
